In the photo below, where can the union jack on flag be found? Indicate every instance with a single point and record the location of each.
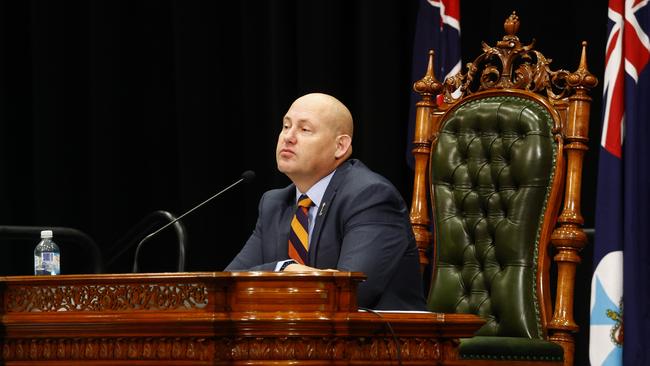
(622, 239)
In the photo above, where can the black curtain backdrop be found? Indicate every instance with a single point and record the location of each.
(113, 109)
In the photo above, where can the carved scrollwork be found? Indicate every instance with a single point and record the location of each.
(511, 65)
(331, 348)
(126, 348)
(231, 349)
(128, 297)
(379, 348)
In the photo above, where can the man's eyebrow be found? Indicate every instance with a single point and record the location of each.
(303, 121)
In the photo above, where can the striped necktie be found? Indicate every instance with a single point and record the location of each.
(299, 234)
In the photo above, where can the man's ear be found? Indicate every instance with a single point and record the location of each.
(343, 145)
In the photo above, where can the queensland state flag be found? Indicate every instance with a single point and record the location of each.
(438, 29)
(620, 287)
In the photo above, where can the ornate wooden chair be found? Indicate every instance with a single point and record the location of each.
(497, 161)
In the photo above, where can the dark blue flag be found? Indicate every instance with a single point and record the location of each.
(620, 288)
(438, 29)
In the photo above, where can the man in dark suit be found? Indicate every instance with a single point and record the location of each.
(354, 219)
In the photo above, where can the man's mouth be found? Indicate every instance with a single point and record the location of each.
(287, 152)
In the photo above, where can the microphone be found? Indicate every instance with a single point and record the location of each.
(246, 177)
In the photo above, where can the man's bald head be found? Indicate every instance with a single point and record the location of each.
(333, 111)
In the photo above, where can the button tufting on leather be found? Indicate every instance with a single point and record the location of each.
(477, 176)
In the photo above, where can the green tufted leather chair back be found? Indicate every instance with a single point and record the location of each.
(492, 170)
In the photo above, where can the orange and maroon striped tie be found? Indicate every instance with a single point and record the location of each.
(299, 233)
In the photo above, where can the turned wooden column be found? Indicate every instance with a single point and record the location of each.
(569, 237)
(428, 88)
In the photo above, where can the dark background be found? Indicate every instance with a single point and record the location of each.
(113, 109)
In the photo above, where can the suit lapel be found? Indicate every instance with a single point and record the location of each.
(284, 223)
(324, 208)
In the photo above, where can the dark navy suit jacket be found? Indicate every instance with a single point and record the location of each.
(362, 225)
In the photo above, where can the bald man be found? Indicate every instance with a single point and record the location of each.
(353, 220)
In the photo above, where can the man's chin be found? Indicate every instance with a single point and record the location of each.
(284, 167)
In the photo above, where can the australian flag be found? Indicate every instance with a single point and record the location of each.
(438, 29)
(620, 287)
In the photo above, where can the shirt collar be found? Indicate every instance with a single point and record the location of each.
(317, 191)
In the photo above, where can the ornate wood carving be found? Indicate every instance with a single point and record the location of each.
(122, 348)
(569, 238)
(118, 297)
(509, 65)
(213, 319)
(232, 349)
(428, 87)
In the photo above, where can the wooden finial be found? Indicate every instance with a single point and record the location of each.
(430, 71)
(428, 85)
(511, 25)
(510, 39)
(582, 77)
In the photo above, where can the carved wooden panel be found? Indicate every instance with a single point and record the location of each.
(122, 348)
(227, 349)
(131, 297)
(250, 318)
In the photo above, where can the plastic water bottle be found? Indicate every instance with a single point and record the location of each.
(47, 257)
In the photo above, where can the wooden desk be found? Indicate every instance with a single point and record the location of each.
(246, 318)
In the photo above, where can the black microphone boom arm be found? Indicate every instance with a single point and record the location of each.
(246, 176)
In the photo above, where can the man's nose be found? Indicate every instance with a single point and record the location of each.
(290, 136)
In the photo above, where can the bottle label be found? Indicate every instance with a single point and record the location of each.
(48, 263)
